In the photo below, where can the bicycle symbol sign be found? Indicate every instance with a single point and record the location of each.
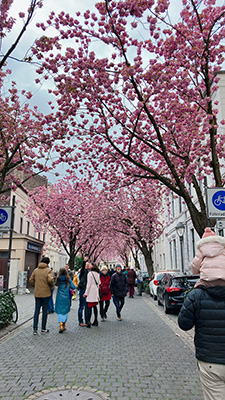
(3, 216)
(218, 200)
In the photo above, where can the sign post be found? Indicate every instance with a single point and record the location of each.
(6, 224)
(216, 203)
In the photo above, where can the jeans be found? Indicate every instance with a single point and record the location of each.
(82, 305)
(120, 302)
(41, 302)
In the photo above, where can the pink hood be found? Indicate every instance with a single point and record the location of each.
(209, 261)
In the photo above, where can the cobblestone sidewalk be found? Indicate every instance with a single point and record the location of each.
(140, 357)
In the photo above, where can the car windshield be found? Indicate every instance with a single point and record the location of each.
(158, 277)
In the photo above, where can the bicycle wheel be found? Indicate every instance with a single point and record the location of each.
(15, 312)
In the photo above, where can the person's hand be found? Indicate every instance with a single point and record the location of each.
(84, 295)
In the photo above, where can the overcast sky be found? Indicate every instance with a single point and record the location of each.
(24, 74)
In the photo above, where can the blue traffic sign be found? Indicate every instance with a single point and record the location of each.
(3, 216)
(218, 200)
(215, 202)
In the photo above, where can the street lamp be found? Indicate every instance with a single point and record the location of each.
(180, 231)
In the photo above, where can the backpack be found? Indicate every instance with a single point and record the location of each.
(104, 288)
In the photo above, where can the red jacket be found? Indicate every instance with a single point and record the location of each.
(105, 279)
(131, 276)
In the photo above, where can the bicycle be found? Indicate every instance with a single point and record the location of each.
(11, 304)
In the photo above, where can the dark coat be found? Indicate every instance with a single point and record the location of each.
(63, 300)
(83, 280)
(131, 276)
(118, 285)
(204, 308)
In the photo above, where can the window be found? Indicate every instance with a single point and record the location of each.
(171, 255)
(180, 205)
(28, 227)
(174, 266)
(193, 242)
(21, 224)
(221, 232)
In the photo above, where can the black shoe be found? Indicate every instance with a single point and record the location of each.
(88, 326)
(95, 323)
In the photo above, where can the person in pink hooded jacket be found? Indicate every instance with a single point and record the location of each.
(209, 261)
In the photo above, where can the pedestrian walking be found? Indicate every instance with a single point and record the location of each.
(131, 276)
(63, 297)
(92, 294)
(119, 289)
(139, 281)
(82, 286)
(204, 309)
(42, 279)
(105, 292)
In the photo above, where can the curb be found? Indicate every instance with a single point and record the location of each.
(12, 327)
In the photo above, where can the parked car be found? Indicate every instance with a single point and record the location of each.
(172, 290)
(153, 283)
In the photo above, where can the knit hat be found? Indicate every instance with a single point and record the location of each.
(118, 266)
(208, 232)
(104, 267)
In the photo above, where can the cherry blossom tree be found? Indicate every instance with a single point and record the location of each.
(135, 213)
(73, 211)
(23, 140)
(137, 90)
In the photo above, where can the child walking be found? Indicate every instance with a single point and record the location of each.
(63, 298)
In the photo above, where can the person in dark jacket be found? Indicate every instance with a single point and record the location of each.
(63, 298)
(204, 308)
(118, 289)
(131, 276)
(82, 287)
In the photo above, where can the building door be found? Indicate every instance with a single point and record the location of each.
(3, 265)
(31, 262)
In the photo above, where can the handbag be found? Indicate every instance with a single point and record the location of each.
(99, 293)
(70, 293)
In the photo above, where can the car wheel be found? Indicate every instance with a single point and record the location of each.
(166, 309)
(154, 297)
